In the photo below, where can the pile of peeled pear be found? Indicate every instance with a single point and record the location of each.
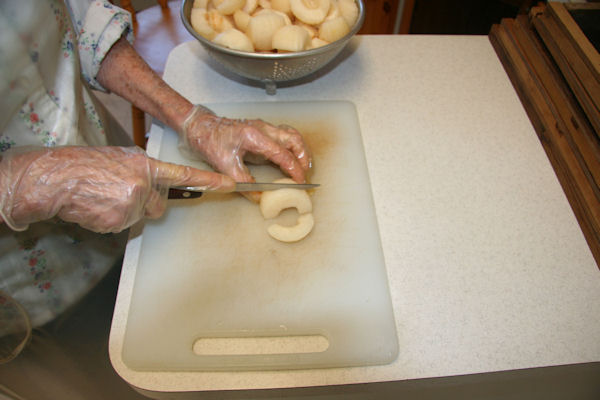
(273, 26)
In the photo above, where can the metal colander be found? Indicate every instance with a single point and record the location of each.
(272, 68)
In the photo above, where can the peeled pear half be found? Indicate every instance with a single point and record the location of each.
(261, 29)
(348, 10)
(333, 29)
(310, 11)
(228, 7)
(234, 39)
(291, 38)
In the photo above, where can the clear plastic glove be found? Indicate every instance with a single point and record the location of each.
(226, 143)
(103, 189)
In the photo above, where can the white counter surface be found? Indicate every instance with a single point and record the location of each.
(487, 266)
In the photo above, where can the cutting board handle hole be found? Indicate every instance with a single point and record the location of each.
(260, 345)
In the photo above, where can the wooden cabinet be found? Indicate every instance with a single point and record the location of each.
(381, 16)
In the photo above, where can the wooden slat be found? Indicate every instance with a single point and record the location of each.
(568, 169)
(584, 47)
(580, 134)
(552, 128)
(570, 30)
(585, 87)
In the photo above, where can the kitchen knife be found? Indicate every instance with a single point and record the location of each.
(191, 192)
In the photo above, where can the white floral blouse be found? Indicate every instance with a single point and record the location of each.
(50, 53)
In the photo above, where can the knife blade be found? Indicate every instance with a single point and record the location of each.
(191, 192)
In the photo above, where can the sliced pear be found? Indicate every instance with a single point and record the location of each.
(272, 202)
(294, 233)
(310, 11)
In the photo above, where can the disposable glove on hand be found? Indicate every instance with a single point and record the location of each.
(226, 143)
(103, 189)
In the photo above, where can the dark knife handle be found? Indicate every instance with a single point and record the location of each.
(183, 194)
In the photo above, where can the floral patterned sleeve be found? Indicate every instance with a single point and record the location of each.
(99, 24)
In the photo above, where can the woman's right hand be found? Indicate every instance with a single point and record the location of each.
(103, 189)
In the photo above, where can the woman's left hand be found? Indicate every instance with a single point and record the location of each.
(227, 143)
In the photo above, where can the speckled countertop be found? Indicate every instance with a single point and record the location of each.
(487, 266)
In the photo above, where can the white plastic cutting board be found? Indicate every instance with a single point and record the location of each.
(208, 268)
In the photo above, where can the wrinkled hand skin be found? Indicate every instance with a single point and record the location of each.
(226, 143)
(103, 189)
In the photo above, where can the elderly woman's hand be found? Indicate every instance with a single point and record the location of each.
(226, 143)
(103, 189)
